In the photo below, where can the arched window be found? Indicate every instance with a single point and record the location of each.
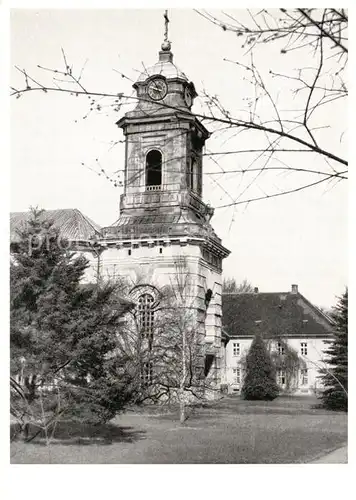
(193, 174)
(146, 316)
(194, 177)
(153, 170)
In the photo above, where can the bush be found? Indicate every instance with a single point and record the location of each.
(66, 360)
(260, 380)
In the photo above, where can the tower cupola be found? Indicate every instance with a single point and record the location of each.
(164, 84)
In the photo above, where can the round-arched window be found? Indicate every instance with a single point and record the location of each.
(154, 168)
(146, 315)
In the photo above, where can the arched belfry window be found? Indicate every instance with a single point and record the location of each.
(153, 170)
(194, 178)
(193, 173)
(146, 314)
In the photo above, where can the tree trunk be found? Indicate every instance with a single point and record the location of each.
(24, 431)
(182, 408)
(182, 385)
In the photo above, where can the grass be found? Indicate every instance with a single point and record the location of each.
(231, 431)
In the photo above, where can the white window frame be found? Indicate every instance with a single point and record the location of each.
(236, 349)
(304, 348)
(281, 348)
(237, 375)
(281, 374)
(304, 376)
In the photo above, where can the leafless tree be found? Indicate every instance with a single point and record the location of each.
(319, 88)
(230, 285)
(324, 367)
(167, 351)
(37, 404)
(285, 114)
(287, 360)
(325, 310)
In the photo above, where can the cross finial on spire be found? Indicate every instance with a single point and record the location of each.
(166, 45)
(166, 21)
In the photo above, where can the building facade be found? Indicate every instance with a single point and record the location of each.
(164, 232)
(296, 334)
(164, 223)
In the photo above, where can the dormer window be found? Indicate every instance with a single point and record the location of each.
(154, 170)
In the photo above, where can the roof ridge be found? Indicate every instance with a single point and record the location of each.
(46, 210)
(319, 311)
(93, 224)
(82, 218)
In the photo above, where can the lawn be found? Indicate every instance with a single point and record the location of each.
(231, 431)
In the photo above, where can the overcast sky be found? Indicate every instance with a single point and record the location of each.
(301, 238)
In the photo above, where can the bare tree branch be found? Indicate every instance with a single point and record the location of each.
(276, 129)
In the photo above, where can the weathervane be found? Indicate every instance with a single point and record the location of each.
(166, 45)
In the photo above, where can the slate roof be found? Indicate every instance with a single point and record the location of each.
(273, 314)
(73, 225)
(164, 68)
(184, 224)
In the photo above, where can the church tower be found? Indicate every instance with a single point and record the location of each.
(163, 218)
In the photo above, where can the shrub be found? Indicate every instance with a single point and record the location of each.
(64, 336)
(260, 380)
(335, 379)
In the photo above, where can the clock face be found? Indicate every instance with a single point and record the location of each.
(188, 97)
(157, 89)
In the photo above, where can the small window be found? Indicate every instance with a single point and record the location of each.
(237, 375)
(304, 376)
(281, 377)
(236, 349)
(160, 250)
(280, 348)
(303, 348)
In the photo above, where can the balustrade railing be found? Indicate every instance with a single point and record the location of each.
(154, 188)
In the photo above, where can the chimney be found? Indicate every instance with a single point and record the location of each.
(255, 290)
(294, 289)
